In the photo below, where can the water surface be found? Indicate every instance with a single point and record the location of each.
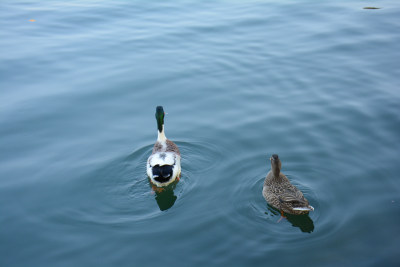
(316, 83)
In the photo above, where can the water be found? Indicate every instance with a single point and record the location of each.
(316, 83)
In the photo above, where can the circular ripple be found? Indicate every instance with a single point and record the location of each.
(250, 214)
(250, 208)
(124, 193)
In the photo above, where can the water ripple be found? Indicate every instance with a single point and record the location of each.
(249, 210)
(123, 192)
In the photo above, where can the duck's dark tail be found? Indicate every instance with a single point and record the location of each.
(163, 173)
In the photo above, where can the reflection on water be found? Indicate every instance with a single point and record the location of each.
(241, 79)
(165, 196)
(304, 222)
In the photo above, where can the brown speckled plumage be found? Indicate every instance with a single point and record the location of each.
(280, 193)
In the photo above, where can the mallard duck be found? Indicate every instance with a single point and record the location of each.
(281, 194)
(164, 164)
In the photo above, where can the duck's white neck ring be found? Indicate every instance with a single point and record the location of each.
(161, 136)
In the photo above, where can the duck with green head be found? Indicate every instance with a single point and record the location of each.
(281, 194)
(164, 164)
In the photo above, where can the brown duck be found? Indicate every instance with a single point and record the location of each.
(281, 194)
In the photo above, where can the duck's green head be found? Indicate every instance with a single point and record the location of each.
(160, 118)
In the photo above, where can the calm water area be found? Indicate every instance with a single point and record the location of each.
(317, 82)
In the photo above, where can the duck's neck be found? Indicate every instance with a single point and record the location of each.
(161, 135)
(276, 171)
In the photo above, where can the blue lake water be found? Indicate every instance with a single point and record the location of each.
(315, 82)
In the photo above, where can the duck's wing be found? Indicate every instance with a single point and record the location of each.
(294, 197)
(157, 147)
(295, 200)
(172, 147)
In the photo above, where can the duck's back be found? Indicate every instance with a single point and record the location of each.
(280, 192)
(168, 146)
(273, 187)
